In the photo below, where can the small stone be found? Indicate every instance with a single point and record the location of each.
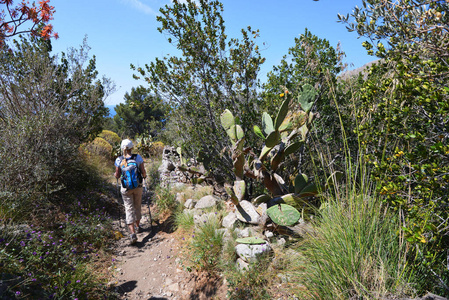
(246, 212)
(206, 201)
(269, 234)
(229, 220)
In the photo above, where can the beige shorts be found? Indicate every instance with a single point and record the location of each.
(132, 199)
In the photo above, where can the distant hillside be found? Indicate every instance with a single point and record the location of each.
(355, 72)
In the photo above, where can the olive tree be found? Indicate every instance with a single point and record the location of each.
(48, 107)
(211, 73)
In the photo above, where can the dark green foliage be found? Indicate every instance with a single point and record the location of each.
(405, 128)
(207, 243)
(313, 61)
(47, 109)
(143, 113)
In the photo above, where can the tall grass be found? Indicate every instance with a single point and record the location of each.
(206, 246)
(355, 251)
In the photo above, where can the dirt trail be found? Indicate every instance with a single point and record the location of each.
(151, 269)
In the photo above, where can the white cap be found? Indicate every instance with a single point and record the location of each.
(126, 144)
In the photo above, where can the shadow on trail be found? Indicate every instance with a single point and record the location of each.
(152, 232)
(127, 287)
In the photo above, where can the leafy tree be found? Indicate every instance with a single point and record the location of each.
(13, 17)
(47, 109)
(142, 113)
(312, 61)
(406, 128)
(211, 74)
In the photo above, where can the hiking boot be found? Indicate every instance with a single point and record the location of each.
(133, 238)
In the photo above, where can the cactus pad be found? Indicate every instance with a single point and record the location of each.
(282, 113)
(267, 123)
(261, 199)
(283, 214)
(258, 131)
(300, 182)
(252, 240)
(239, 189)
(307, 97)
(227, 119)
(292, 148)
(272, 139)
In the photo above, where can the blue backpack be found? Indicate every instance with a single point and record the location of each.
(131, 177)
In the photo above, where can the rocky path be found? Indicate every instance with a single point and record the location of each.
(151, 268)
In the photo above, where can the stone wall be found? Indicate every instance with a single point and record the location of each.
(169, 171)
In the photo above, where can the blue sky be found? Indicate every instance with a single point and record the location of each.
(124, 32)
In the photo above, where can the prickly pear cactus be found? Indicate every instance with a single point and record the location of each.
(282, 137)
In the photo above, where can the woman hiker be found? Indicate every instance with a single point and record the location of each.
(131, 187)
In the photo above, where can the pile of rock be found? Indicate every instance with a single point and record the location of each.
(259, 235)
(169, 172)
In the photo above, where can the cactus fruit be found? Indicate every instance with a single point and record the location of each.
(283, 214)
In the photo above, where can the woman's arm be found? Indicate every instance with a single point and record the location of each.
(117, 172)
(143, 171)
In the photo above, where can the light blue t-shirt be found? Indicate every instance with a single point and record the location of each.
(139, 160)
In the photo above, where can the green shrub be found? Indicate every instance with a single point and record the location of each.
(37, 262)
(184, 221)
(111, 137)
(206, 246)
(98, 146)
(42, 125)
(156, 149)
(165, 201)
(253, 283)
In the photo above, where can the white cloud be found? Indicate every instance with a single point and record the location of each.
(141, 7)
